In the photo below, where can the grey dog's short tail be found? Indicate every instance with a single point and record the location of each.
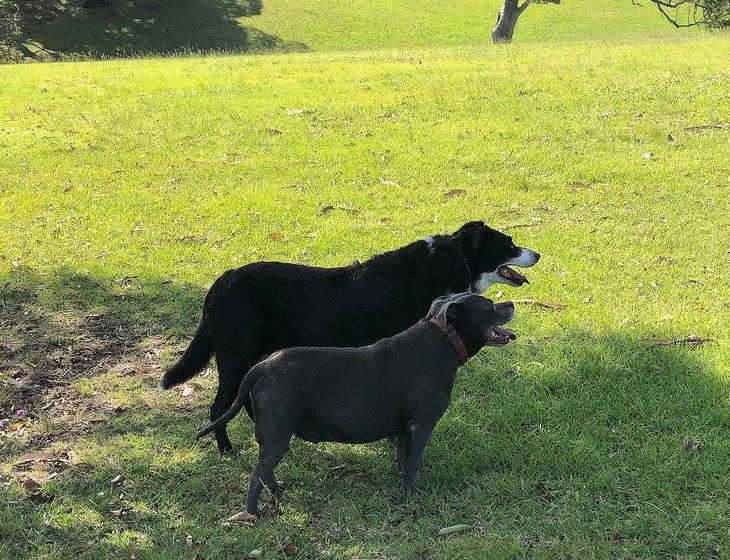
(243, 390)
(194, 359)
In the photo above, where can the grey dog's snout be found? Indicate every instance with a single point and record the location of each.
(506, 309)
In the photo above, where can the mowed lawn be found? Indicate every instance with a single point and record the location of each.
(126, 187)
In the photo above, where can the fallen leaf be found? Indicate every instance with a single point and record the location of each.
(536, 222)
(691, 445)
(338, 470)
(578, 184)
(545, 304)
(671, 137)
(691, 340)
(117, 479)
(347, 208)
(41, 498)
(454, 192)
(587, 299)
(189, 540)
(388, 182)
(455, 529)
(31, 485)
(298, 112)
(187, 391)
(33, 457)
(255, 553)
(276, 236)
(132, 548)
(536, 542)
(705, 126)
(242, 517)
(648, 155)
(290, 550)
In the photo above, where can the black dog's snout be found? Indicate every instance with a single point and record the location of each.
(537, 257)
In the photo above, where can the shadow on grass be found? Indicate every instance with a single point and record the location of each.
(144, 27)
(59, 327)
(593, 435)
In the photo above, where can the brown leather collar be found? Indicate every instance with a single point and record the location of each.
(455, 339)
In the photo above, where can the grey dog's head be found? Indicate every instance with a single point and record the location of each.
(477, 319)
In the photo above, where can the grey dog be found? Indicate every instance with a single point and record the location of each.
(398, 387)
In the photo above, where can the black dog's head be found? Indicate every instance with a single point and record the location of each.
(475, 318)
(489, 253)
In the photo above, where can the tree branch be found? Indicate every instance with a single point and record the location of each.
(663, 5)
(522, 8)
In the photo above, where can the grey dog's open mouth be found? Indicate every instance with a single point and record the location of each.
(500, 335)
(512, 275)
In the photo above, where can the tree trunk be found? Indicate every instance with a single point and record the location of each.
(507, 19)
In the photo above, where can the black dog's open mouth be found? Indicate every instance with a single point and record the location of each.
(500, 335)
(512, 275)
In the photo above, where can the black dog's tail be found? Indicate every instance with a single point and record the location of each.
(194, 359)
(243, 390)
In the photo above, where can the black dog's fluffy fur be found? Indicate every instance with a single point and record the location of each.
(397, 387)
(262, 307)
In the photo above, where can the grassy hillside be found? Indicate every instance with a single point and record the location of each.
(162, 26)
(126, 187)
(324, 24)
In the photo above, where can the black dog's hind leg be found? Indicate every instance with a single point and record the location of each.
(233, 364)
(237, 350)
(418, 438)
(402, 453)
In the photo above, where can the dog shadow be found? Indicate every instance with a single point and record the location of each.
(600, 426)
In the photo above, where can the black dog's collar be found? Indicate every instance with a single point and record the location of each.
(455, 339)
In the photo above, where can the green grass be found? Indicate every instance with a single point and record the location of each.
(126, 187)
(142, 27)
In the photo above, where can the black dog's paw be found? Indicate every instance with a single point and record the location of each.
(412, 489)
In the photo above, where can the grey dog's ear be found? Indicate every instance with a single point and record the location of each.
(443, 307)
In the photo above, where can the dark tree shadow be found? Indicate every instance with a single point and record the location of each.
(59, 327)
(143, 27)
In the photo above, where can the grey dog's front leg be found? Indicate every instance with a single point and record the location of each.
(418, 438)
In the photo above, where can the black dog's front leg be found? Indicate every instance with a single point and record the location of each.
(418, 438)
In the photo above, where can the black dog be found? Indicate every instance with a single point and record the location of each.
(399, 386)
(266, 306)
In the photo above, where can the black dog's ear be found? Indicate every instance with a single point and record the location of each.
(468, 226)
(471, 238)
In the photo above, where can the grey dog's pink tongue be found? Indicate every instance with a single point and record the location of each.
(504, 332)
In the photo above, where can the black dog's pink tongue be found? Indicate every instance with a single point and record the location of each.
(501, 331)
